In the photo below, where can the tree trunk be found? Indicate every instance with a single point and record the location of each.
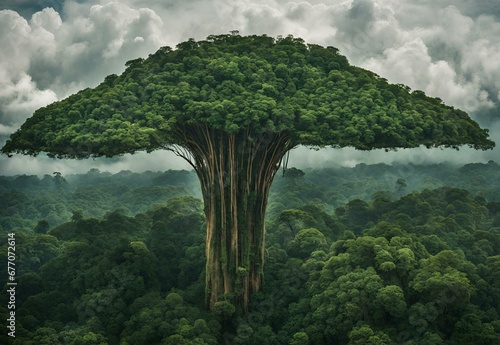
(236, 172)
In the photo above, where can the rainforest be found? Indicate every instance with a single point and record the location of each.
(242, 248)
(375, 254)
(234, 107)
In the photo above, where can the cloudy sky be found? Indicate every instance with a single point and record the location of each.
(53, 48)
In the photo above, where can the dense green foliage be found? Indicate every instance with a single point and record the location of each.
(235, 84)
(377, 262)
(233, 107)
(26, 200)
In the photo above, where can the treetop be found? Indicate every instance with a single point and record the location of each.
(244, 85)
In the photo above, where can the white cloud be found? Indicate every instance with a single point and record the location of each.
(47, 56)
(14, 35)
(114, 27)
(412, 65)
(6, 130)
(439, 50)
(23, 98)
(19, 95)
(48, 19)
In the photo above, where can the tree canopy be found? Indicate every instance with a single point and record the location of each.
(233, 106)
(250, 85)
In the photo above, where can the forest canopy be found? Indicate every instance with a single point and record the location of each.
(352, 258)
(249, 85)
(233, 107)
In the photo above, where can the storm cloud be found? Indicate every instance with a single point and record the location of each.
(51, 49)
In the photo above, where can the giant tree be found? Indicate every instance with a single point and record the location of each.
(233, 107)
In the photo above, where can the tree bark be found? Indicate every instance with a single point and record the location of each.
(235, 172)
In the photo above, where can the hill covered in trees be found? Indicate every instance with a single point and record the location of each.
(375, 254)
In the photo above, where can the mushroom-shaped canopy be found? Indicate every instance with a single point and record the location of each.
(241, 85)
